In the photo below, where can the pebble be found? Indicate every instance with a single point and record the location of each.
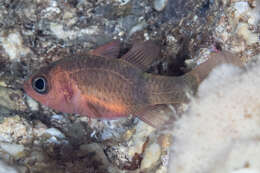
(55, 132)
(151, 156)
(11, 99)
(13, 149)
(123, 2)
(39, 129)
(137, 28)
(241, 7)
(15, 129)
(58, 119)
(254, 15)
(249, 36)
(59, 31)
(139, 138)
(34, 106)
(51, 10)
(4, 167)
(159, 5)
(13, 45)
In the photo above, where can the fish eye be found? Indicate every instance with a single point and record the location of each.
(39, 84)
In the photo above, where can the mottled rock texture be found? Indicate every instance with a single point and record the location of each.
(34, 33)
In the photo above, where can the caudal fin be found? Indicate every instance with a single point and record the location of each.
(215, 59)
(165, 90)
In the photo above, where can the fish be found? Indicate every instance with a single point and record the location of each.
(100, 84)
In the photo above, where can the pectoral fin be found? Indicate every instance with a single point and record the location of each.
(94, 110)
(110, 50)
(143, 55)
(158, 116)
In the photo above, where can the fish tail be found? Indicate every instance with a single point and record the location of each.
(174, 89)
(215, 59)
(163, 90)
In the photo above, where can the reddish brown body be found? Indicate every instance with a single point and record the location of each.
(99, 86)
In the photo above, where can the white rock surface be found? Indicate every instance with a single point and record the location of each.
(241, 7)
(123, 2)
(60, 33)
(254, 15)
(221, 130)
(13, 45)
(243, 31)
(55, 132)
(151, 156)
(34, 106)
(142, 132)
(12, 149)
(243, 157)
(4, 168)
(159, 5)
(20, 131)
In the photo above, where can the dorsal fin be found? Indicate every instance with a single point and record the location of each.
(143, 54)
(110, 50)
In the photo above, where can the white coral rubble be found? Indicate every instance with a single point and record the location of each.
(221, 130)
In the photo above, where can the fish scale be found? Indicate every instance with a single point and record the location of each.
(100, 85)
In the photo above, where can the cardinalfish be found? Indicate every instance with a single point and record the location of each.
(101, 85)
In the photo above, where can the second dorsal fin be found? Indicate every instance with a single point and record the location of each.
(143, 54)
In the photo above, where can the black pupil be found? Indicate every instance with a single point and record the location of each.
(39, 84)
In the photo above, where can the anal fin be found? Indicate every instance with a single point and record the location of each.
(158, 116)
(110, 50)
(143, 54)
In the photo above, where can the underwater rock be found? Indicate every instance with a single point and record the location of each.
(159, 5)
(11, 99)
(14, 150)
(246, 34)
(37, 33)
(33, 105)
(12, 43)
(151, 156)
(227, 104)
(4, 167)
(15, 130)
